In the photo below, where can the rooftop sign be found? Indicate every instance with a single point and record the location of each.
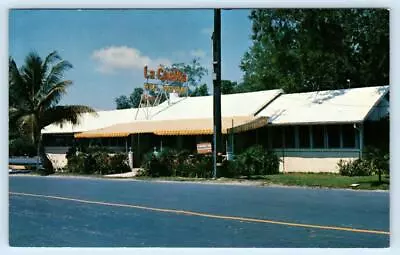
(165, 75)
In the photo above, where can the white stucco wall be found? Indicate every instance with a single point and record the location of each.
(314, 160)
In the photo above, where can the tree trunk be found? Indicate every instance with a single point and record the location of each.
(380, 175)
(38, 152)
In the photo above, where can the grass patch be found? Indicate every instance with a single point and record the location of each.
(325, 180)
(321, 180)
(77, 174)
(170, 178)
(317, 180)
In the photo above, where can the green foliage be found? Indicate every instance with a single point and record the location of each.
(229, 87)
(162, 164)
(231, 168)
(76, 163)
(200, 91)
(71, 152)
(97, 162)
(302, 50)
(35, 89)
(375, 161)
(123, 102)
(135, 97)
(194, 71)
(170, 162)
(22, 146)
(358, 167)
(256, 161)
(101, 163)
(118, 164)
(378, 158)
(96, 148)
(202, 166)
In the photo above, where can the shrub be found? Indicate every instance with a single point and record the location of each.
(169, 162)
(256, 161)
(118, 164)
(230, 168)
(202, 166)
(101, 163)
(378, 158)
(154, 166)
(358, 167)
(271, 163)
(92, 148)
(184, 165)
(97, 162)
(71, 152)
(375, 161)
(76, 163)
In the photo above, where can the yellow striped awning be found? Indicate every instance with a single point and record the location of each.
(251, 125)
(174, 127)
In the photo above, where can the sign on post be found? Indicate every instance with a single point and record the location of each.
(204, 148)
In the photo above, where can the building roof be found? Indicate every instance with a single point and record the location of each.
(241, 104)
(176, 127)
(104, 119)
(332, 106)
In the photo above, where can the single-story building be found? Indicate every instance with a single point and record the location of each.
(311, 131)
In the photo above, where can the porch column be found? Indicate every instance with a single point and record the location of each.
(361, 139)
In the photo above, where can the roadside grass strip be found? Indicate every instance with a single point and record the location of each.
(207, 215)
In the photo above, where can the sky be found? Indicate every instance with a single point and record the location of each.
(109, 48)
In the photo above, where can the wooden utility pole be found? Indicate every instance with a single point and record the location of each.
(217, 148)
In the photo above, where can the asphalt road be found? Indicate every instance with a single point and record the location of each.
(56, 222)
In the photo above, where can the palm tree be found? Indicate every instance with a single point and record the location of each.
(35, 89)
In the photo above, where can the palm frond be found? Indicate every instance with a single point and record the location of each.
(32, 73)
(16, 113)
(68, 113)
(54, 95)
(16, 84)
(50, 59)
(35, 90)
(56, 72)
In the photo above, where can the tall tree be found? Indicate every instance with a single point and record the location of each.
(200, 91)
(194, 70)
(35, 89)
(123, 102)
(229, 87)
(135, 97)
(313, 49)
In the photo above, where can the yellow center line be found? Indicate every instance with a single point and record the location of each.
(245, 219)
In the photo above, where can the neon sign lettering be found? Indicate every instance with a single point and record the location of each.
(165, 75)
(167, 88)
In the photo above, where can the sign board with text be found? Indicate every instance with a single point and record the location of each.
(164, 76)
(204, 148)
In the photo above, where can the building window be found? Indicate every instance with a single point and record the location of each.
(318, 136)
(289, 137)
(333, 132)
(60, 141)
(69, 140)
(276, 137)
(304, 137)
(349, 136)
